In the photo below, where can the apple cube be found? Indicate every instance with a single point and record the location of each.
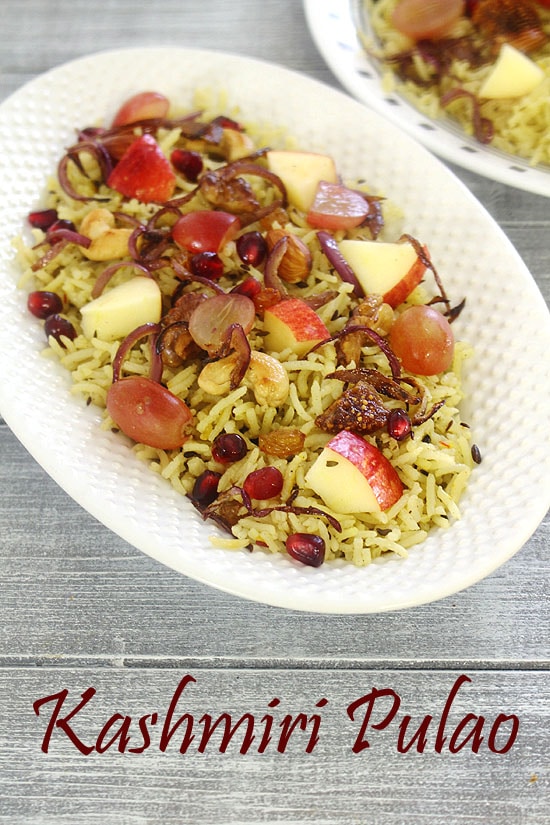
(513, 75)
(301, 173)
(353, 476)
(115, 313)
(292, 324)
(391, 270)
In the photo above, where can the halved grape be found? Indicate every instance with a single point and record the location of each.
(142, 106)
(212, 318)
(148, 412)
(205, 230)
(421, 19)
(423, 340)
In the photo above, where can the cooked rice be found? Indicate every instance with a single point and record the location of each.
(521, 125)
(434, 466)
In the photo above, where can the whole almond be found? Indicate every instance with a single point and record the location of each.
(296, 263)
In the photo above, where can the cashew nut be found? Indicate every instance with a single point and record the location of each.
(215, 377)
(235, 145)
(107, 241)
(265, 375)
(268, 378)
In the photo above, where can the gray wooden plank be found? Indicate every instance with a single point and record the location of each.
(278, 33)
(330, 785)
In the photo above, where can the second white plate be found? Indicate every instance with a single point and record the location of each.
(333, 26)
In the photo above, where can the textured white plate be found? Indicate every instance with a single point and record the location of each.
(333, 25)
(508, 407)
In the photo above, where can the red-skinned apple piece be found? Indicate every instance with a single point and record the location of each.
(351, 475)
(292, 324)
(391, 270)
(143, 172)
(335, 206)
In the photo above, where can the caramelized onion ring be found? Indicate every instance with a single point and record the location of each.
(126, 345)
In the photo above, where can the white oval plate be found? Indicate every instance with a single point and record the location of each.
(333, 25)
(505, 316)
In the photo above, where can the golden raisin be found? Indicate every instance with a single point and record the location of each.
(282, 443)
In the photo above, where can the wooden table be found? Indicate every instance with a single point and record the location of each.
(81, 609)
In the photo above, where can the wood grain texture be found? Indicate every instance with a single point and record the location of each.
(79, 607)
(331, 785)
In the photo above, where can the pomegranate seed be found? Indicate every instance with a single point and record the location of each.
(57, 225)
(188, 163)
(205, 488)
(251, 248)
(249, 287)
(43, 303)
(307, 548)
(207, 265)
(229, 447)
(227, 123)
(59, 327)
(266, 482)
(43, 218)
(399, 424)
